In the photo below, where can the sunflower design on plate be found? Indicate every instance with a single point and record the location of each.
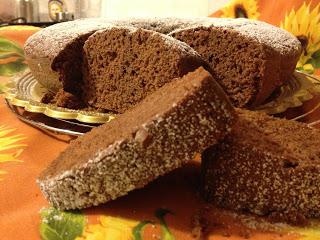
(241, 9)
(305, 25)
(10, 147)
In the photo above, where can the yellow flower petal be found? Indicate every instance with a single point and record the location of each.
(8, 158)
(248, 7)
(308, 233)
(308, 67)
(10, 146)
(4, 132)
(305, 24)
(109, 228)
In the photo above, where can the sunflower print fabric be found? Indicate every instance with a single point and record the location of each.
(302, 19)
(305, 25)
(157, 211)
(11, 147)
(241, 8)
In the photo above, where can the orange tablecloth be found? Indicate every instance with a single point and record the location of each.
(171, 203)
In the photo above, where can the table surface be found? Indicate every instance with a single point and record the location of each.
(168, 208)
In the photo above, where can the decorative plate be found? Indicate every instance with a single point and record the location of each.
(24, 91)
(300, 88)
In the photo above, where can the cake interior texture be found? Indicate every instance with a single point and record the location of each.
(248, 69)
(124, 65)
(69, 65)
(266, 166)
(141, 144)
(236, 61)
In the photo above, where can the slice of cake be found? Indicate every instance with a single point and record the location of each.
(267, 166)
(250, 59)
(123, 65)
(159, 134)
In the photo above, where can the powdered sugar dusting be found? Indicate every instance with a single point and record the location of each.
(50, 41)
(171, 42)
(262, 32)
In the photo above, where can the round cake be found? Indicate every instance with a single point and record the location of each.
(250, 59)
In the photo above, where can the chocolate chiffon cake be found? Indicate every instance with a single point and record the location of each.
(248, 58)
(159, 134)
(123, 65)
(266, 166)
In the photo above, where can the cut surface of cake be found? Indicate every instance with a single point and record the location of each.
(159, 134)
(266, 166)
(123, 65)
(250, 59)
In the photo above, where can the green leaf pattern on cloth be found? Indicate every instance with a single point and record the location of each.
(59, 225)
(10, 50)
(118, 228)
(315, 59)
(160, 214)
(11, 68)
(7, 46)
(137, 230)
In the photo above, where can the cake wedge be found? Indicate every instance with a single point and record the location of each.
(159, 134)
(267, 166)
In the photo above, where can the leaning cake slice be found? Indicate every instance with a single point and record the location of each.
(267, 166)
(159, 134)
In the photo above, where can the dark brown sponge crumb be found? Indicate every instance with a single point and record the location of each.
(237, 63)
(124, 65)
(67, 100)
